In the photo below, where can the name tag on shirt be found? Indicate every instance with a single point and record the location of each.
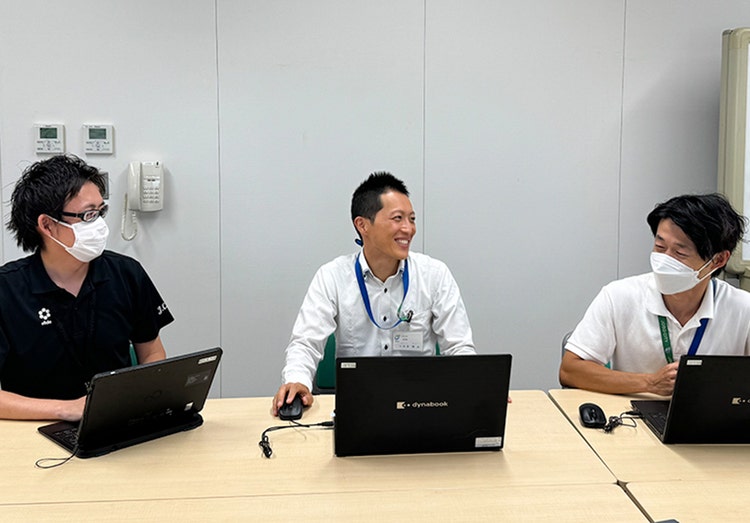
(407, 341)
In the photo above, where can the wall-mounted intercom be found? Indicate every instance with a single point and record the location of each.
(145, 193)
(145, 186)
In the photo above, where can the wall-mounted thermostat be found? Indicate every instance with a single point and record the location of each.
(98, 139)
(49, 138)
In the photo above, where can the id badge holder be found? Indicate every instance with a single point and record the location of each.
(407, 339)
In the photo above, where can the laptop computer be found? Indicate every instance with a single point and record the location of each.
(710, 402)
(128, 406)
(406, 405)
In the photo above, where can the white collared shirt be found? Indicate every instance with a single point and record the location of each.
(621, 325)
(334, 305)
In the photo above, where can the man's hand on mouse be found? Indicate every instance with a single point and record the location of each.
(286, 394)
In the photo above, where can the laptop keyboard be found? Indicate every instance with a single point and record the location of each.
(658, 421)
(69, 436)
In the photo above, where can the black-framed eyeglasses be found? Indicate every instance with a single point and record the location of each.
(88, 216)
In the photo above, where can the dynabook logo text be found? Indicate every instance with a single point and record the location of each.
(401, 405)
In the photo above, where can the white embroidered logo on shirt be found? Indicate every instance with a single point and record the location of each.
(45, 315)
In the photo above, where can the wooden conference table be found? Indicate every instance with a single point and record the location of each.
(684, 482)
(217, 472)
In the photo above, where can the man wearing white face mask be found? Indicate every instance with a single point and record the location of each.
(643, 324)
(71, 309)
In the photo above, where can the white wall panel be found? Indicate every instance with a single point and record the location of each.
(521, 178)
(671, 109)
(314, 97)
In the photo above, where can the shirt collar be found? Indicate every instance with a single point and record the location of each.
(41, 283)
(366, 272)
(655, 302)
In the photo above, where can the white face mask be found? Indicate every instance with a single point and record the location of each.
(673, 276)
(90, 239)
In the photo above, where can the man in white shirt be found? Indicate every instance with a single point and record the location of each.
(643, 324)
(381, 301)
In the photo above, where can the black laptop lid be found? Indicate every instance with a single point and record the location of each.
(404, 405)
(711, 401)
(136, 404)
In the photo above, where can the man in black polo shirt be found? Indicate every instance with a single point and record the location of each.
(70, 309)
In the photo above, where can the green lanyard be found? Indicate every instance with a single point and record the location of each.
(665, 339)
(668, 346)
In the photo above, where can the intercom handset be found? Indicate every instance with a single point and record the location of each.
(145, 186)
(145, 193)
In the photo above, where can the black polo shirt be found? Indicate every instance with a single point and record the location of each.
(52, 343)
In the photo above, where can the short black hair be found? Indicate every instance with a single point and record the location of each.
(366, 198)
(708, 220)
(44, 188)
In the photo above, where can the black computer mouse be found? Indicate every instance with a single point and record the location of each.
(592, 416)
(291, 411)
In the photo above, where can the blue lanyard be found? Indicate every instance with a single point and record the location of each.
(696, 338)
(366, 297)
